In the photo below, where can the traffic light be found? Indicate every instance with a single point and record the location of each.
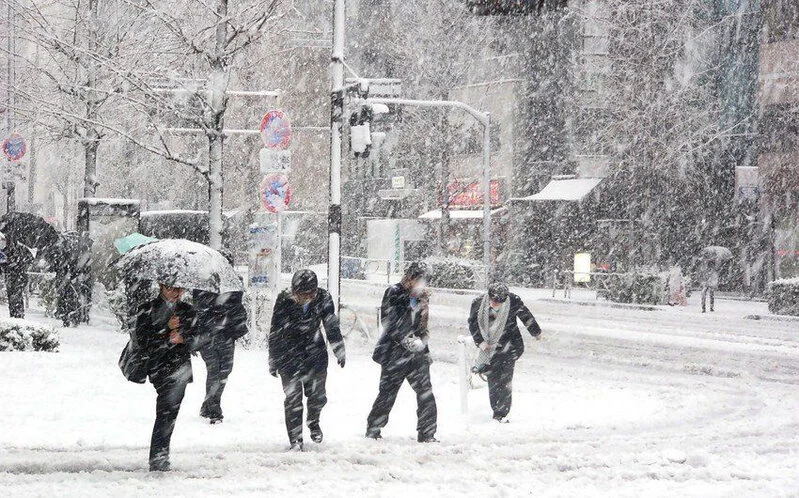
(360, 131)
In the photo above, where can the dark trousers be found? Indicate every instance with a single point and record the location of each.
(15, 290)
(500, 385)
(218, 358)
(312, 384)
(705, 292)
(417, 373)
(170, 391)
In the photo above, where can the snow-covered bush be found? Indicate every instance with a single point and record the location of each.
(452, 273)
(637, 288)
(22, 335)
(118, 304)
(783, 297)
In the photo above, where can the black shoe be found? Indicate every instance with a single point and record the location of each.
(216, 420)
(160, 466)
(316, 433)
(501, 420)
(297, 446)
(373, 435)
(427, 439)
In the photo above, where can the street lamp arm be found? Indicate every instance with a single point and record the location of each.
(481, 116)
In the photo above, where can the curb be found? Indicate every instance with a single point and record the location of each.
(623, 306)
(774, 318)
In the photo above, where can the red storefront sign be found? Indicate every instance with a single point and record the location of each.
(470, 193)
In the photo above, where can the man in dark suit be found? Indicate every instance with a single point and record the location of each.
(165, 327)
(403, 354)
(298, 353)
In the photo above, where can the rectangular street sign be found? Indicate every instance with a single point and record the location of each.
(275, 161)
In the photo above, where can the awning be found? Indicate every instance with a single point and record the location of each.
(571, 189)
(460, 214)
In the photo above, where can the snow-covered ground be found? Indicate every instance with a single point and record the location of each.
(612, 402)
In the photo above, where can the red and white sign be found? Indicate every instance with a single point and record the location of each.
(14, 147)
(276, 130)
(275, 192)
(470, 194)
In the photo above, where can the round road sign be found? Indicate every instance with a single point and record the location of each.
(276, 130)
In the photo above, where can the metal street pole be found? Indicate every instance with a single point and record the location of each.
(336, 117)
(485, 119)
(487, 198)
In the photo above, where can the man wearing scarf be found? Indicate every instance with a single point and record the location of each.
(492, 323)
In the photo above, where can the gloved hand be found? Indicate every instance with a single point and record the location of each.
(342, 361)
(413, 344)
(273, 372)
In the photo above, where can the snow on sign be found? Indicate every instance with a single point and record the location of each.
(276, 130)
(275, 192)
(14, 147)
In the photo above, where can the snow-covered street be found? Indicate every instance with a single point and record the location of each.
(612, 402)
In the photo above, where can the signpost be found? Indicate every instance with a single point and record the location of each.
(274, 193)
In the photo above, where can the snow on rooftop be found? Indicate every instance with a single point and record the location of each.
(171, 211)
(572, 189)
(459, 214)
(95, 201)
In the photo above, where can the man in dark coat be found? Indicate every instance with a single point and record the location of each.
(18, 258)
(403, 354)
(492, 323)
(224, 318)
(298, 353)
(165, 327)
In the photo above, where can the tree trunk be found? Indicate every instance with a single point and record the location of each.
(218, 82)
(91, 140)
(215, 183)
(90, 160)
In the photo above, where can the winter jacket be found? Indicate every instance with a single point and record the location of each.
(296, 343)
(398, 321)
(708, 274)
(221, 316)
(510, 345)
(152, 334)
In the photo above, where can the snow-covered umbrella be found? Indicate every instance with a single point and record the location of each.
(716, 252)
(182, 263)
(28, 229)
(132, 241)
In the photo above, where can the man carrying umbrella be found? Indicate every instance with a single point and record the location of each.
(298, 353)
(164, 328)
(25, 234)
(708, 274)
(18, 258)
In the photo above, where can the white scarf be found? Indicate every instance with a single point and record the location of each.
(491, 332)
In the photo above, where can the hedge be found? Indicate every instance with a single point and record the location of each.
(21, 335)
(783, 297)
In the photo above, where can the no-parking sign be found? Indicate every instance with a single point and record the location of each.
(275, 192)
(276, 130)
(14, 147)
